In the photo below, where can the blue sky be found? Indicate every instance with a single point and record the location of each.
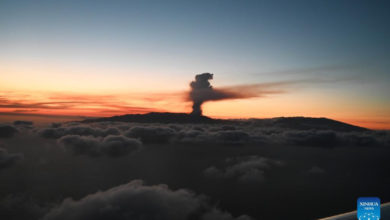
(239, 41)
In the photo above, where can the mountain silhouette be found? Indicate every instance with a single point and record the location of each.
(159, 117)
(299, 123)
(307, 123)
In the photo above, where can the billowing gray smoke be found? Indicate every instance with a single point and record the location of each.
(202, 91)
(199, 88)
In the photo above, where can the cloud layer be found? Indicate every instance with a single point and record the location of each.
(239, 133)
(8, 159)
(137, 201)
(250, 169)
(7, 131)
(58, 132)
(111, 145)
(241, 165)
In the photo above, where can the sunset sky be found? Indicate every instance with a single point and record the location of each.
(103, 58)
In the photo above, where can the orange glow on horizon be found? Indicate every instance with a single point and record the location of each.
(13, 104)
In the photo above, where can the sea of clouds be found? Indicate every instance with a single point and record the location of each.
(240, 170)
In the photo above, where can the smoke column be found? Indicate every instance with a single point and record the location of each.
(199, 87)
(202, 91)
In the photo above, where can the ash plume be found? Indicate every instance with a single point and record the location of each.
(202, 91)
(200, 88)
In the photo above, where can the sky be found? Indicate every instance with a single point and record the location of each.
(103, 58)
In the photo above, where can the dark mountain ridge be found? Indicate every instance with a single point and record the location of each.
(299, 123)
(159, 117)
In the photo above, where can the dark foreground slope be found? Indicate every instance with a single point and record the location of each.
(299, 123)
(157, 117)
(304, 123)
